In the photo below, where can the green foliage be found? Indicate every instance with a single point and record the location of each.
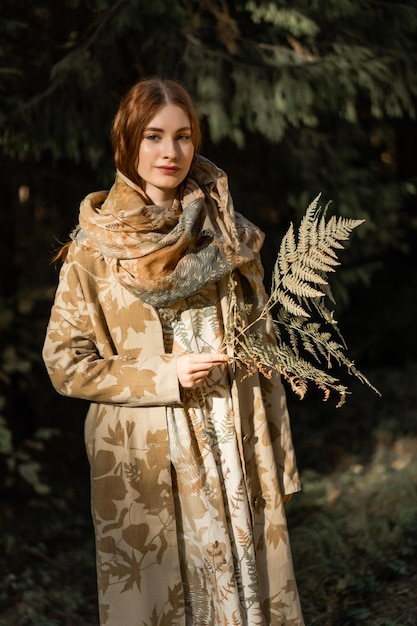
(324, 82)
(20, 454)
(252, 66)
(47, 572)
(284, 19)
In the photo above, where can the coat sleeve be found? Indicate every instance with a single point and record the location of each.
(81, 351)
(273, 391)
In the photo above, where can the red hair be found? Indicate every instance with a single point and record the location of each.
(137, 107)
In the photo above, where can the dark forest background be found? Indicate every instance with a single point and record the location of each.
(296, 99)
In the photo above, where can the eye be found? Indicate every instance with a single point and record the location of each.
(183, 137)
(152, 137)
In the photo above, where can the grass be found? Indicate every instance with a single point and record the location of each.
(354, 540)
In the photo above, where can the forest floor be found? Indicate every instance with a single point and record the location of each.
(353, 527)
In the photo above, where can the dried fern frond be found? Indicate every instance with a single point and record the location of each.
(299, 290)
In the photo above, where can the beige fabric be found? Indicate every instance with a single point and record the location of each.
(164, 254)
(108, 346)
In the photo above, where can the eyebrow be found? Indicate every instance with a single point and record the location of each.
(161, 130)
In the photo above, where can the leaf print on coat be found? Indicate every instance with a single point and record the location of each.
(135, 536)
(151, 495)
(116, 436)
(215, 554)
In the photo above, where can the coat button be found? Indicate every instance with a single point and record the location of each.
(259, 502)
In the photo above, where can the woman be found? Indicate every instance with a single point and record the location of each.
(191, 461)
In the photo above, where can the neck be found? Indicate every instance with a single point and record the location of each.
(162, 198)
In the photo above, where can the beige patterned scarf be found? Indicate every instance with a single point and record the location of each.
(164, 254)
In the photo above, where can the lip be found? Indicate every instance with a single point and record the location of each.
(169, 170)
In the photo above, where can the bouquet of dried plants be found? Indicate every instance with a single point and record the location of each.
(308, 340)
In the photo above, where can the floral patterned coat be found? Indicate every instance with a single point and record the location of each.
(105, 345)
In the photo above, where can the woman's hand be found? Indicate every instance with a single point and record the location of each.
(193, 368)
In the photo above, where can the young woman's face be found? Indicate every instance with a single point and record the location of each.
(165, 154)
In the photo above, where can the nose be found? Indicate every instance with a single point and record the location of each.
(169, 148)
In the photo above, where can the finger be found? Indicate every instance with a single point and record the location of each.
(202, 361)
(211, 358)
(203, 368)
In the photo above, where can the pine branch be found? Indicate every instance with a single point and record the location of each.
(298, 296)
